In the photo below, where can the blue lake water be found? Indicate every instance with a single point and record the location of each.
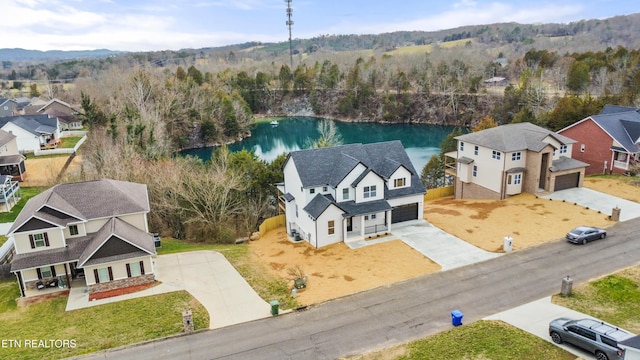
(268, 141)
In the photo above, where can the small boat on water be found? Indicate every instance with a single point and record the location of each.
(274, 123)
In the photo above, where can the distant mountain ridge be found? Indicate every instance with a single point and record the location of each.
(18, 54)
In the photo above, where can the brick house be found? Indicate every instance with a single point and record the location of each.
(93, 230)
(609, 142)
(510, 159)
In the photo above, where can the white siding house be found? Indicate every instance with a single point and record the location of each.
(349, 192)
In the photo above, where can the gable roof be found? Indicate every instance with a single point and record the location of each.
(35, 124)
(612, 109)
(514, 137)
(329, 166)
(319, 204)
(85, 200)
(622, 126)
(136, 241)
(5, 137)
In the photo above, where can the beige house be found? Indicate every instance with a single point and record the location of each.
(510, 159)
(94, 230)
(11, 161)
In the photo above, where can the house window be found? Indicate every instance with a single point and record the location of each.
(312, 191)
(46, 272)
(461, 146)
(369, 191)
(345, 194)
(331, 227)
(39, 240)
(475, 170)
(475, 150)
(399, 182)
(135, 269)
(373, 216)
(296, 210)
(563, 149)
(366, 217)
(495, 154)
(517, 179)
(73, 230)
(324, 189)
(515, 156)
(103, 275)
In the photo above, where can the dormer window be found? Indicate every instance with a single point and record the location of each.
(369, 191)
(345, 194)
(563, 149)
(399, 182)
(39, 240)
(312, 191)
(73, 230)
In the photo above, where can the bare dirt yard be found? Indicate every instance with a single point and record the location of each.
(44, 171)
(337, 270)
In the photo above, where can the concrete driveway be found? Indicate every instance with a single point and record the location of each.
(210, 278)
(445, 249)
(598, 201)
(535, 317)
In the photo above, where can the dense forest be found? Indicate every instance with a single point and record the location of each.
(141, 108)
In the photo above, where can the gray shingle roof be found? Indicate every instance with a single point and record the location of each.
(5, 137)
(123, 230)
(611, 109)
(565, 163)
(318, 205)
(88, 200)
(12, 159)
(352, 208)
(72, 252)
(513, 137)
(35, 124)
(328, 166)
(623, 127)
(288, 197)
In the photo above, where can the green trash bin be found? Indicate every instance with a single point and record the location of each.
(275, 304)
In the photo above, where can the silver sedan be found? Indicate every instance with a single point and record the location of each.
(584, 234)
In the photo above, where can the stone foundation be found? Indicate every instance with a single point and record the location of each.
(122, 283)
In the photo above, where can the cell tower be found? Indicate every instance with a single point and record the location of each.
(289, 24)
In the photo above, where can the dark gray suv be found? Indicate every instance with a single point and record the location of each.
(594, 336)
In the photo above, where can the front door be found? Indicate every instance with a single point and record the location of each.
(349, 224)
(544, 165)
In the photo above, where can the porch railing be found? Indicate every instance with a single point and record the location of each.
(374, 229)
(620, 164)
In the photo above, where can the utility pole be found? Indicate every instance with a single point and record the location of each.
(289, 24)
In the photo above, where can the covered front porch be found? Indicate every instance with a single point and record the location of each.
(365, 220)
(623, 160)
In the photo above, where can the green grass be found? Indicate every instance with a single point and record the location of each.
(68, 142)
(613, 299)
(95, 328)
(267, 286)
(27, 193)
(3, 239)
(484, 340)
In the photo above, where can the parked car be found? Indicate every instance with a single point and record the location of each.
(594, 336)
(584, 234)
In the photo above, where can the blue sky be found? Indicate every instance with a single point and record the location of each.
(148, 25)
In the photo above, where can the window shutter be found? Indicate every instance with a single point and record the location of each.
(53, 271)
(39, 272)
(128, 270)
(46, 239)
(110, 273)
(95, 274)
(141, 267)
(33, 243)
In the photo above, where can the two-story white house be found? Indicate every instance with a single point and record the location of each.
(510, 159)
(349, 192)
(96, 230)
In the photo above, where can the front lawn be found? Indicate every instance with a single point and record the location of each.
(254, 272)
(27, 193)
(91, 329)
(613, 299)
(493, 340)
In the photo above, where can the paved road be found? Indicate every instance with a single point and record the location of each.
(404, 311)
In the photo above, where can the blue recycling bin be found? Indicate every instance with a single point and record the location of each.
(456, 317)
